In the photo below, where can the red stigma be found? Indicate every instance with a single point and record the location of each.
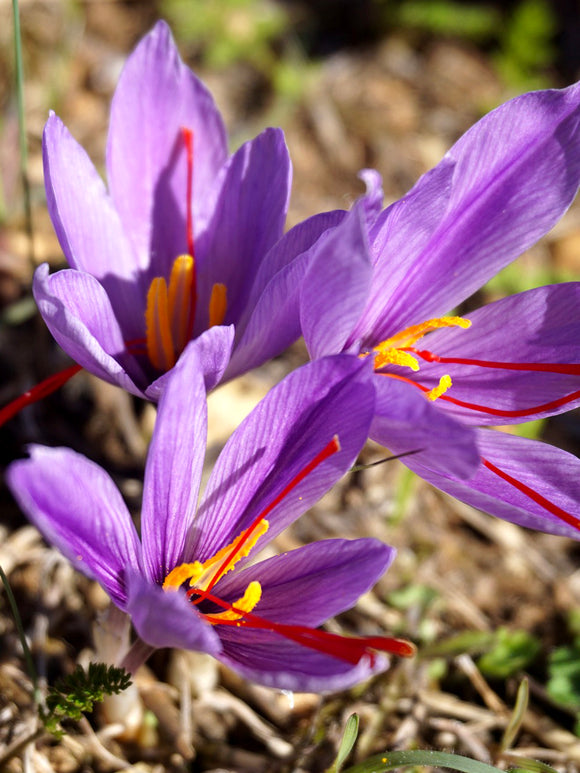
(331, 448)
(187, 135)
(38, 392)
(348, 648)
(535, 496)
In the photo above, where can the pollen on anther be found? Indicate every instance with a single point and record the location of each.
(218, 304)
(444, 384)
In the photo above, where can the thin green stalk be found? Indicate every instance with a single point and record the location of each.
(20, 628)
(22, 129)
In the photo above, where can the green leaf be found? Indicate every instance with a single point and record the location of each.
(517, 717)
(348, 740)
(76, 693)
(392, 760)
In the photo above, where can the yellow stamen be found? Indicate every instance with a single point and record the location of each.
(391, 356)
(252, 595)
(392, 350)
(411, 335)
(218, 304)
(201, 575)
(444, 384)
(181, 304)
(181, 573)
(158, 331)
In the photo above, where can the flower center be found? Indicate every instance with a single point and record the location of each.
(171, 308)
(203, 576)
(398, 349)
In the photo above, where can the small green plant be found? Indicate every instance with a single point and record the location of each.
(527, 46)
(511, 652)
(75, 694)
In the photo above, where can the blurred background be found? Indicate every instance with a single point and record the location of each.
(373, 83)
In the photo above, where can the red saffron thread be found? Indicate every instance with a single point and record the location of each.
(508, 414)
(534, 495)
(45, 388)
(567, 369)
(349, 649)
(187, 135)
(529, 492)
(331, 448)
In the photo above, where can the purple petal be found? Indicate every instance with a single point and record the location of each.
(213, 349)
(294, 422)
(174, 465)
(403, 231)
(539, 326)
(274, 662)
(308, 585)
(156, 97)
(78, 313)
(271, 321)
(406, 421)
(336, 286)
(247, 221)
(515, 173)
(88, 226)
(550, 473)
(78, 508)
(373, 198)
(167, 618)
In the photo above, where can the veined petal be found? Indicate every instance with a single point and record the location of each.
(336, 286)
(398, 234)
(156, 97)
(289, 427)
(78, 313)
(514, 175)
(550, 472)
(174, 465)
(310, 584)
(271, 319)
(88, 226)
(213, 349)
(539, 328)
(78, 508)
(167, 618)
(268, 659)
(406, 421)
(248, 219)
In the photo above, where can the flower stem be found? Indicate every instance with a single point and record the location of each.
(22, 129)
(137, 655)
(25, 648)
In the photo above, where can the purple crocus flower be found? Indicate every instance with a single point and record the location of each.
(382, 279)
(185, 244)
(259, 619)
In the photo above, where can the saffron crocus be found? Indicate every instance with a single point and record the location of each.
(384, 283)
(185, 244)
(188, 582)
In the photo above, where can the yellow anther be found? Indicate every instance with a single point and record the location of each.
(181, 304)
(392, 350)
(411, 335)
(181, 573)
(444, 384)
(214, 564)
(252, 595)
(201, 575)
(391, 356)
(218, 304)
(157, 325)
